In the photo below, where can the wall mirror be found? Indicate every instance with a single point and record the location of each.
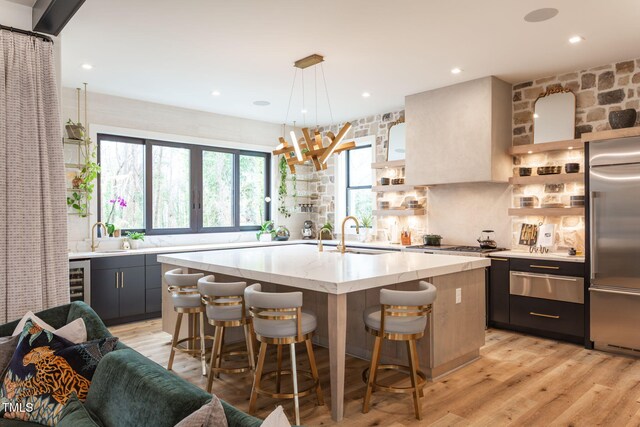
(554, 116)
(397, 137)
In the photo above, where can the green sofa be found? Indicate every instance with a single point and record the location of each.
(127, 388)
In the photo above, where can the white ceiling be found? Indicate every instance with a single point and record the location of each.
(177, 52)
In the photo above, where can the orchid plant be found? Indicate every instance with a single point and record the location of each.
(119, 202)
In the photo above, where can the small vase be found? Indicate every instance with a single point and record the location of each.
(116, 233)
(265, 237)
(135, 244)
(76, 182)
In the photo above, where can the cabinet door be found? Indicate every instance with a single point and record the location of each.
(499, 290)
(132, 291)
(104, 293)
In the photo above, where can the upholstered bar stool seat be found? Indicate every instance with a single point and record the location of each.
(278, 319)
(226, 308)
(401, 316)
(186, 300)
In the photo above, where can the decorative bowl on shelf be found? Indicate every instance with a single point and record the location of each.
(549, 170)
(572, 167)
(622, 118)
(524, 171)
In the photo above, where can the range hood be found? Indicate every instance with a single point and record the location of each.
(459, 134)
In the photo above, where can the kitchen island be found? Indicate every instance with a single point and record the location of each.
(338, 287)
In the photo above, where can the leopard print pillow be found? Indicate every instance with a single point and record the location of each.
(45, 370)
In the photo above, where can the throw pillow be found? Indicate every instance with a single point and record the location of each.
(7, 348)
(211, 414)
(74, 414)
(75, 331)
(276, 419)
(44, 370)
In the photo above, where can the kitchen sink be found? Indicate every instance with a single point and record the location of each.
(360, 251)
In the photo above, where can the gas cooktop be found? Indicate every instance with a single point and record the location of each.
(462, 250)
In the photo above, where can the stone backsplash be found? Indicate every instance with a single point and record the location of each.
(377, 125)
(598, 91)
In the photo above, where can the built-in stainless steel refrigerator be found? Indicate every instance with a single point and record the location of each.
(614, 221)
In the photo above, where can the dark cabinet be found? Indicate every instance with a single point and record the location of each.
(498, 291)
(118, 287)
(153, 292)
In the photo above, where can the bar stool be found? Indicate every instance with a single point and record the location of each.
(401, 316)
(183, 288)
(278, 319)
(225, 308)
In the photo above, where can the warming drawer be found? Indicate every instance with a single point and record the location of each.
(547, 286)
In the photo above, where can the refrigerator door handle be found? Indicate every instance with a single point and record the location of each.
(611, 291)
(592, 233)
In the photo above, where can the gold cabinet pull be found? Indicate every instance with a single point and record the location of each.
(500, 259)
(548, 267)
(549, 316)
(117, 280)
(122, 279)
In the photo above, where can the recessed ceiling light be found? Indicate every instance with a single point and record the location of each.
(303, 111)
(87, 66)
(575, 39)
(261, 103)
(456, 70)
(366, 94)
(540, 15)
(215, 93)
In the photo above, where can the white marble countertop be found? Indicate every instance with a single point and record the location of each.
(551, 256)
(302, 266)
(219, 246)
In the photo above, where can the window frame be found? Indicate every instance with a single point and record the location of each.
(348, 185)
(196, 183)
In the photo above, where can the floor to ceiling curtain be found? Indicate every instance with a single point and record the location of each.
(33, 223)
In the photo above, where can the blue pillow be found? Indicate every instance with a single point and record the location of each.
(44, 372)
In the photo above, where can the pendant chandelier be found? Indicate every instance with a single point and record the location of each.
(310, 147)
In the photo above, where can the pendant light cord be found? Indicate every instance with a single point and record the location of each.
(304, 109)
(326, 89)
(315, 79)
(293, 86)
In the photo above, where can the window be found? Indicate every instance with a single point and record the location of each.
(358, 180)
(161, 187)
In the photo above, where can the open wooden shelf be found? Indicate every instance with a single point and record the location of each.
(388, 165)
(399, 212)
(570, 144)
(396, 188)
(69, 141)
(547, 179)
(546, 211)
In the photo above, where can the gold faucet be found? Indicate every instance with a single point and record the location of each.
(322, 230)
(94, 246)
(342, 247)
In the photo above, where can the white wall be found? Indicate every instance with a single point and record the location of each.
(130, 117)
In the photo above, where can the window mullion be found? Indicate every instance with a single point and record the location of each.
(236, 191)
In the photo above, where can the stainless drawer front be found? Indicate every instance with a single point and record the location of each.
(547, 286)
(615, 316)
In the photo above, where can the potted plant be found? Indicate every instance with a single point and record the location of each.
(326, 231)
(135, 237)
(83, 182)
(366, 222)
(74, 130)
(266, 233)
(116, 201)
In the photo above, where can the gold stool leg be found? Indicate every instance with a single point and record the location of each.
(294, 375)
(213, 359)
(314, 371)
(174, 341)
(248, 337)
(257, 377)
(219, 350)
(203, 348)
(413, 365)
(279, 368)
(373, 369)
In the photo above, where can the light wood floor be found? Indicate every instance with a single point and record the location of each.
(518, 381)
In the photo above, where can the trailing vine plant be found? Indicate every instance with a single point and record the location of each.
(84, 180)
(282, 189)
